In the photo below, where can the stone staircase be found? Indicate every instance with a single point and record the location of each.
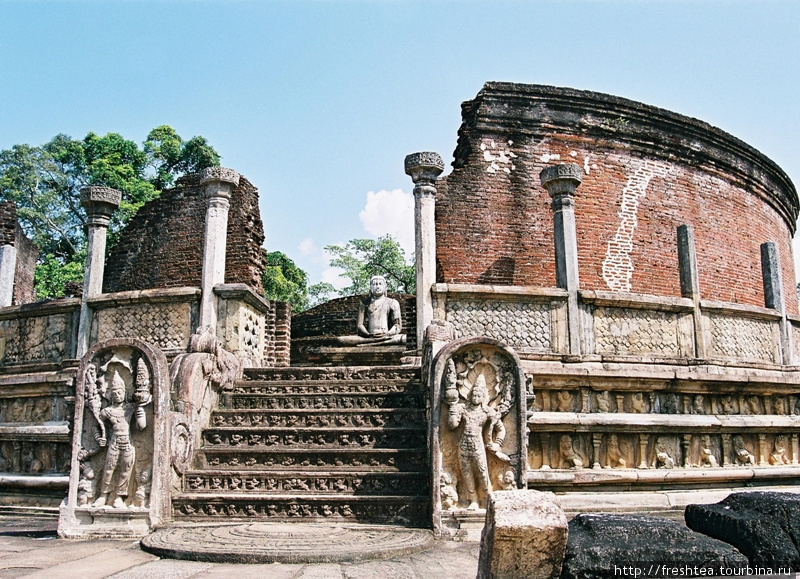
(345, 444)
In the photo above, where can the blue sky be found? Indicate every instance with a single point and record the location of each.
(318, 103)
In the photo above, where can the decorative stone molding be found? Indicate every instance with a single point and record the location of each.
(119, 476)
(100, 203)
(424, 167)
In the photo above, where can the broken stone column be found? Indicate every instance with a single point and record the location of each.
(561, 182)
(690, 284)
(525, 536)
(100, 203)
(773, 295)
(424, 168)
(219, 182)
(8, 265)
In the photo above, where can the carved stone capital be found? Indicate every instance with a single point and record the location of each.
(424, 168)
(562, 179)
(100, 203)
(219, 176)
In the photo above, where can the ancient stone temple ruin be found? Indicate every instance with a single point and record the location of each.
(606, 310)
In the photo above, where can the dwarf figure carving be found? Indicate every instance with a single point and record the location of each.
(448, 492)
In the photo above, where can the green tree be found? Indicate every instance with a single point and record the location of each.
(362, 258)
(284, 281)
(319, 293)
(45, 184)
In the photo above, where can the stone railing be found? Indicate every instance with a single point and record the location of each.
(530, 320)
(613, 325)
(165, 318)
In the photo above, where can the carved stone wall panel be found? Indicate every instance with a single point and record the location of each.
(520, 324)
(166, 325)
(636, 332)
(244, 333)
(796, 340)
(33, 339)
(743, 339)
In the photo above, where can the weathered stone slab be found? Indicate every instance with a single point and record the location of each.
(606, 545)
(525, 536)
(765, 526)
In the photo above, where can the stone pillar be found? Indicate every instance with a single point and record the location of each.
(561, 182)
(773, 295)
(690, 284)
(218, 182)
(424, 168)
(100, 203)
(8, 268)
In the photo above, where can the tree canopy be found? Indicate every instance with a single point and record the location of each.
(363, 258)
(45, 182)
(284, 281)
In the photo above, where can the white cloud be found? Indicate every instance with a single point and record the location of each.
(392, 213)
(331, 275)
(307, 247)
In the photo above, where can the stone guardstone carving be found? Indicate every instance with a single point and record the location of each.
(198, 377)
(119, 471)
(379, 320)
(478, 431)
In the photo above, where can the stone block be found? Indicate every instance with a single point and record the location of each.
(525, 536)
(605, 545)
(765, 526)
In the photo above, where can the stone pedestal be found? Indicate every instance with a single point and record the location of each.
(561, 182)
(525, 536)
(219, 182)
(424, 168)
(100, 203)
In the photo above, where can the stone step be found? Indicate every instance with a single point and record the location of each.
(329, 387)
(389, 509)
(315, 437)
(331, 373)
(305, 482)
(342, 418)
(293, 400)
(278, 457)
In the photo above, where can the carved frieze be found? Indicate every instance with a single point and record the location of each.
(744, 339)
(636, 332)
(36, 339)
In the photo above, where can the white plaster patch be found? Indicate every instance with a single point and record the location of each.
(547, 157)
(499, 159)
(573, 153)
(586, 164)
(617, 265)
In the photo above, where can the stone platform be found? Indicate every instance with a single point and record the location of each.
(285, 542)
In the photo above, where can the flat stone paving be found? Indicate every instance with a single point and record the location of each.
(29, 549)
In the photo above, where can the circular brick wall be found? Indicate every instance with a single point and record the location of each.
(646, 171)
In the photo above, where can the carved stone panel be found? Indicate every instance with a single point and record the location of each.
(636, 332)
(743, 339)
(522, 325)
(167, 325)
(120, 459)
(478, 437)
(36, 339)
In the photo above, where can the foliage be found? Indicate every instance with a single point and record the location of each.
(45, 184)
(284, 281)
(362, 258)
(319, 293)
(52, 275)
